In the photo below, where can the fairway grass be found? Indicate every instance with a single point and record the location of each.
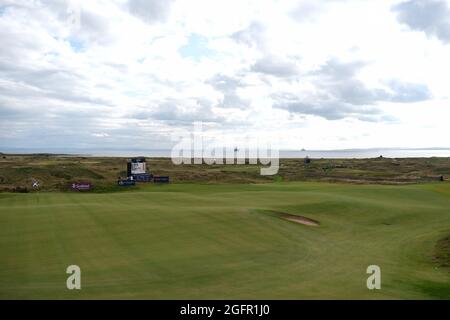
(192, 241)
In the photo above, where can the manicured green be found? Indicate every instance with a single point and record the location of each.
(194, 241)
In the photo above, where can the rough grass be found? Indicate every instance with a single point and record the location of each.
(56, 172)
(442, 252)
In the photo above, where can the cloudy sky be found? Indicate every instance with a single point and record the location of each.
(330, 74)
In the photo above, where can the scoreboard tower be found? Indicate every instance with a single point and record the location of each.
(136, 166)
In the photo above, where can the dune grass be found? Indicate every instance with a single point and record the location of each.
(56, 173)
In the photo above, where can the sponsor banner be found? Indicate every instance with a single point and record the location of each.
(144, 177)
(125, 183)
(161, 179)
(81, 186)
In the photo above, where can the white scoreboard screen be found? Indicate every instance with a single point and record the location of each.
(137, 167)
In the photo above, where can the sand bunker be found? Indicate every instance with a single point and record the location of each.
(302, 220)
(298, 219)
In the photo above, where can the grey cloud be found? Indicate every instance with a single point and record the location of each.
(328, 109)
(47, 83)
(224, 83)
(354, 92)
(338, 82)
(430, 16)
(276, 66)
(340, 94)
(19, 44)
(253, 35)
(310, 9)
(228, 86)
(341, 82)
(8, 113)
(45, 123)
(176, 111)
(94, 28)
(52, 101)
(333, 69)
(73, 128)
(408, 92)
(305, 11)
(52, 15)
(150, 10)
(32, 68)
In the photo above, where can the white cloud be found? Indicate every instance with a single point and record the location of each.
(100, 135)
(328, 74)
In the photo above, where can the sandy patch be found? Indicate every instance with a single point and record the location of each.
(298, 219)
(302, 220)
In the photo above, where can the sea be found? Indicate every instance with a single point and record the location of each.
(314, 154)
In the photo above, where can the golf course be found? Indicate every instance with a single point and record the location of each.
(228, 241)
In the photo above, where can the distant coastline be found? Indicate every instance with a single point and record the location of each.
(164, 153)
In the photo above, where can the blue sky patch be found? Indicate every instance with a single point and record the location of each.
(76, 45)
(196, 47)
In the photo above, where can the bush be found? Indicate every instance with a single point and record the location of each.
(21, 189)
(278, 179)
(61, 175)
